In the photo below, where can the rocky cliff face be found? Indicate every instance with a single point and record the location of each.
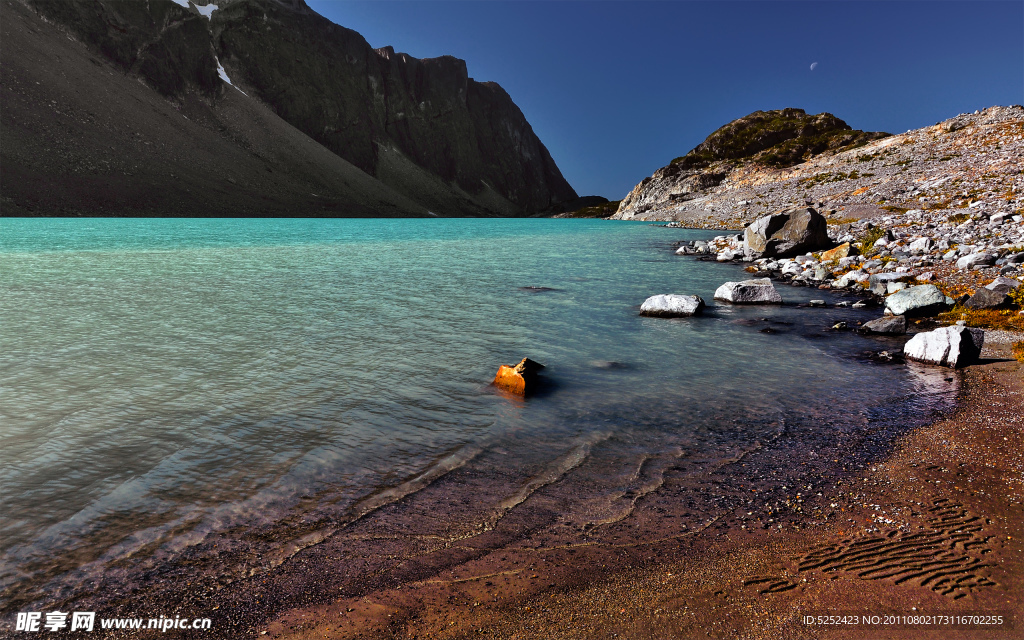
(763, 139)
(426, 130)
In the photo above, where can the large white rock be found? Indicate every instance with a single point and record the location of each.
(671, 305)
(948, 347)
(916, 302)
(756, 291)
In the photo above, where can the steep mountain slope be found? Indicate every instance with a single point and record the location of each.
(123, 108)
(767, 139)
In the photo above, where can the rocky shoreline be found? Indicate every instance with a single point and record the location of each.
(932, 219)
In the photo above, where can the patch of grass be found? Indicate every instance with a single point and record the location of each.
(1018, 350)
(1017, 295)
(895, 209)
(958, 218)
(870, 237)
(1007, 319)
(946, 158)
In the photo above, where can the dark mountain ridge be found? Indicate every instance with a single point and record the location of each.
(428, 136)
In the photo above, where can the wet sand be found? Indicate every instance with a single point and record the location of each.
(932, 526)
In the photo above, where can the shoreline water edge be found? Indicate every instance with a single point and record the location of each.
(925, 539)
(906, 524)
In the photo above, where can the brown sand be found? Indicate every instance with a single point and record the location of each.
(935, 528)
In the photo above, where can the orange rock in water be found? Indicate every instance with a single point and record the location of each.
(520, 379)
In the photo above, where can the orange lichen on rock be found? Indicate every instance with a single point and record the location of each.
(520, 379)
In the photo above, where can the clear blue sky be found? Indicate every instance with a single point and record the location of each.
(616, 90)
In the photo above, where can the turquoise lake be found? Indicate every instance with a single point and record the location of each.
(162, 381)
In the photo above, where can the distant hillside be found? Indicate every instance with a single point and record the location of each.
(768, 139)
(966, 167)
(779, 138)
(134, 115)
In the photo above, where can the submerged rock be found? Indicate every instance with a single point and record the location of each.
(886, 325)
(672, 305)
(955, 346)
(787, 233)
(520, 379)
(915, 302)
(757, 291)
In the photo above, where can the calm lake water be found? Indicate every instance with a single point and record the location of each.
(165, 380)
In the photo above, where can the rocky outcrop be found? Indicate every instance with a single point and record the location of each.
(772, 139)
(756, 291)
(954, 347)
(440, 140)
(672, 306)
(520, 379)
(786, 234)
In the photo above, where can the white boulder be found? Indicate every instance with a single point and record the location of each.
(954, 347)
(672, 305)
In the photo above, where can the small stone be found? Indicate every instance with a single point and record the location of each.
(817, 303)
(886, 325)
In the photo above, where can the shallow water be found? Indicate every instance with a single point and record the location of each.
(162, 381)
